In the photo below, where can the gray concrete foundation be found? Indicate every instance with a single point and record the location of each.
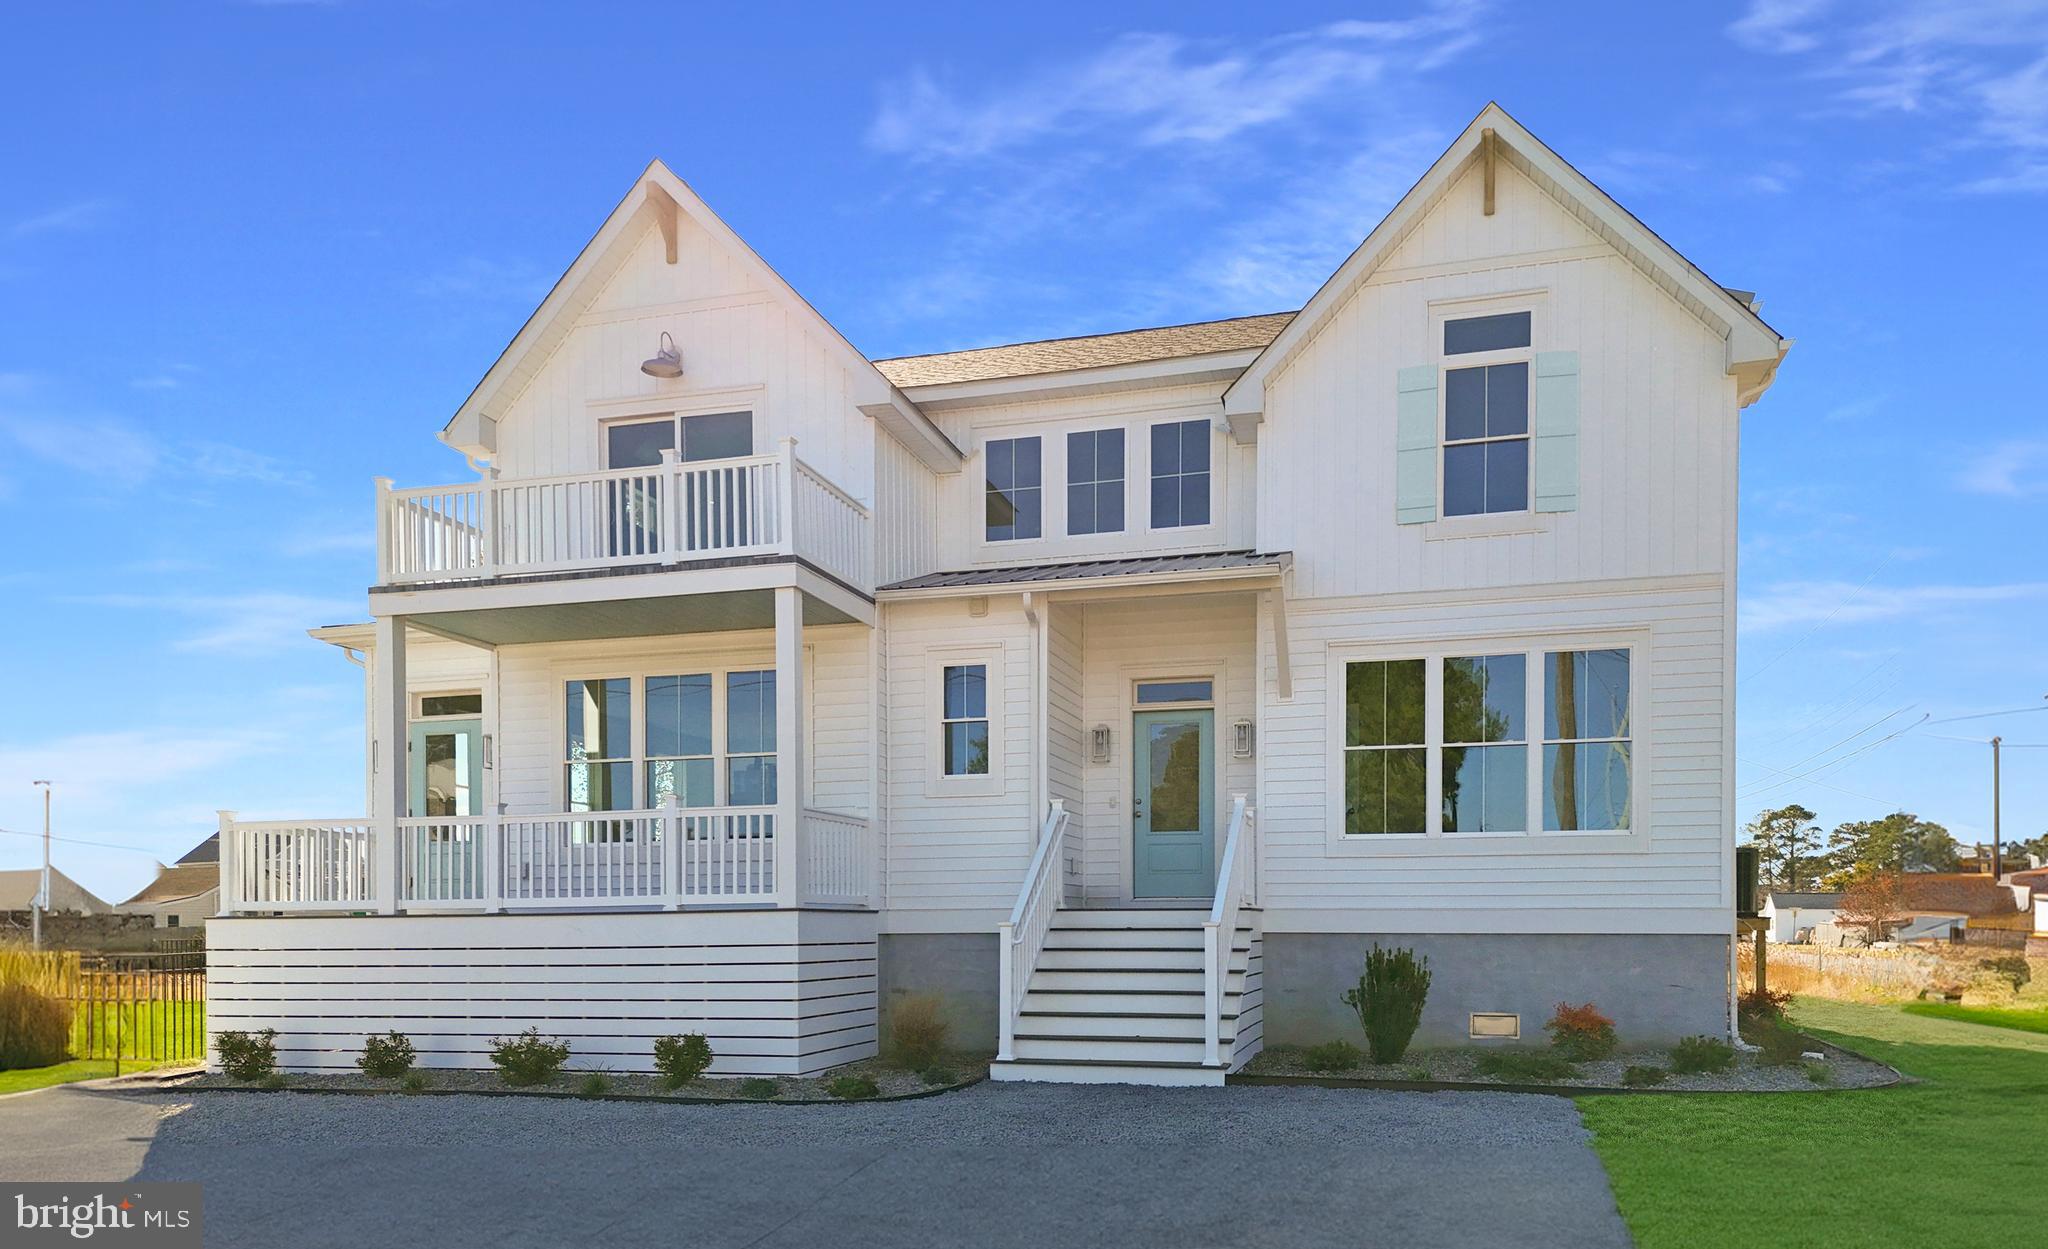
(959, 968)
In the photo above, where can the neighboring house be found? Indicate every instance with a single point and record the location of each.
(1122, 690)
(1793, 916)
(18, 893)
(185, 894)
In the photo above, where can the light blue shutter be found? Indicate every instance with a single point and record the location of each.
(1557, 431)
(1415, 426)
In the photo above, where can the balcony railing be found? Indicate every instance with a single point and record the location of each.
(672, 512)
(668, 858)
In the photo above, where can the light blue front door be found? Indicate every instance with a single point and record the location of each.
(447, 768)
(1174, 804)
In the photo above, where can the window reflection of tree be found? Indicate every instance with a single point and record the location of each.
(1177, 787)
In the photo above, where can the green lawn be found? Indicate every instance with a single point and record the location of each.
(2026, 1019)
(144, 1030)
(26, 1078)
(1931, 1163)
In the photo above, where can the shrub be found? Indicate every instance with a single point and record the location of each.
(1526, 1066)
(247, 1056)
(35, 1027)
(1332, 1056)
(414, 1082)
(1418, 1074)
(594, 1084)
(1389, 1000)
(681, 1059)
(935, 1076)
(1637, 1077)
(759, 1087)
(1764, 1004)
(527, 1059)
(1581, 1033)
(1776, 1043)
(1701, 1053)
(272, 1082)
(917, 1032)
(853, 1088)
(388, 1057)
(1820, 1073)
(2010, 967)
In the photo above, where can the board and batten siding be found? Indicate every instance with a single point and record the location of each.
(1674, 881)
(1657, 418)
(777, 993)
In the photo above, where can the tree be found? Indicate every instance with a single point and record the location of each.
(1900, 842)
(2016, 852)
(1788, 845)
(1874, 902)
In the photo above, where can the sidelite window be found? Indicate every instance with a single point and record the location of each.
(1015, 506)
(1385, 756)
(965, 723)
(679, 747)
(1095, 481)
(1586, 738)
(1486, 753)
(599, 769)
(750, 738)
(1486, 415)
(1180, 474)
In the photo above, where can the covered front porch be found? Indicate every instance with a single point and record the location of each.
(638, 743)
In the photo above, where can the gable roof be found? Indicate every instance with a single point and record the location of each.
(1754, 349)
(1086, 351)
(1806, 901)
(657, 196)
(207, 851)
(175, 884)
(18, 892)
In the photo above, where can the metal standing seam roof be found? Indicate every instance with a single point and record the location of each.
(1076, 570)
(1088, 351)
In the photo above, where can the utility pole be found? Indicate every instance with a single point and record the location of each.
(1995, 855)
(42, 894)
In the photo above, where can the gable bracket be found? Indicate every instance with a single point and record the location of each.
(1486, 146)
(666, 213)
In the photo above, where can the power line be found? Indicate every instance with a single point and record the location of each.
(79, 841)
(1836, 763)
(1806, 637)
(1987, 715)
(1853, 793)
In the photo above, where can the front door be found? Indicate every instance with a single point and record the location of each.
(1174, 804)
(447, 768)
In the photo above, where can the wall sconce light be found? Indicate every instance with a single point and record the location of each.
(668, 362)
(1242, 739)
(1098, 744)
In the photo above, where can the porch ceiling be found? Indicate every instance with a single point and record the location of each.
(624, 618)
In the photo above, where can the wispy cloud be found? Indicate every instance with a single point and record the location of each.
(2012, 469)
(236, 623)
(346, 538)
(1813, 603)
(120, 453)
(78, 215)
(477, 277)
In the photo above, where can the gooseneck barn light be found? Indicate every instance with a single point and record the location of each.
(668, 362)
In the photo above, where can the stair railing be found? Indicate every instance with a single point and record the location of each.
(1234, 891)
(1020, 938)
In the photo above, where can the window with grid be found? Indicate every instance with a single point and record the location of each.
(1095, 481)
(964, 724)
(1015, 504)
(1486, 415)
(1180, 474)
(1386, 782)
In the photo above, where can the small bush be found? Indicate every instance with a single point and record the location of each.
(247, 1056)
(935, 1076)
(853, 1088)
(2011, 968)
(1389, 1000)
(1776, 1043)
(527, 1059)
(1701, 1053)
(1581, 1033)
(917, 1032)
(35, 1027)
(594, 1084)
(1418, 1074)
(1332, 1056)
(1820, 1073)
(414, 1082)
(759, 1087)
(1769, 1004)
(1637, 1077)
(681, 1059)
(273, 1082)
(387, 1057)
(1526, 1066)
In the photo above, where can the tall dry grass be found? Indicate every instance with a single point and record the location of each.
(1864, 975)
(46, 971)
(35, 1018)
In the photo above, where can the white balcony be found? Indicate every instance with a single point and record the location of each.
(763, 505)
(672, 858)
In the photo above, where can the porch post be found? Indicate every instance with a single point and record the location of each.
(230, 865)
(487, 520)
(390, 722)
(789, 739)
(669, 506)
(785, 489)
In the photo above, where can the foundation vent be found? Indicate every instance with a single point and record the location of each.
(1496, 1025)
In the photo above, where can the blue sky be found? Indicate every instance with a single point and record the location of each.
(253, 255)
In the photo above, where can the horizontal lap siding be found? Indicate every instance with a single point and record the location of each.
(775, 993)
(1677, 884)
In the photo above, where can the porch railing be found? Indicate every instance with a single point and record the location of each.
(1236, 888)
(757, 505)
(668, 857)
(1021, 938)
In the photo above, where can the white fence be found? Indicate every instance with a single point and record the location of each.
(668, 858)
(757, 505)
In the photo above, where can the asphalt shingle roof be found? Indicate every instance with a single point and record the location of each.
(1090, 351)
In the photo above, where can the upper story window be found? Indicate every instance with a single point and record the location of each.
(1095, 481)
(1180, 474)
(1486, 414)
(1015, 503)
(711, 436)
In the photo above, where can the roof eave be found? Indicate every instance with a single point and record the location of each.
(1206, 367)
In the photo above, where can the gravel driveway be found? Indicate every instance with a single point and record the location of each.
(1026, 1165)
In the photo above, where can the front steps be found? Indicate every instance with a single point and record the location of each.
(1116, 998)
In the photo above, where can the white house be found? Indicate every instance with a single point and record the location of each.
(184, 894)
(1122, 690)
(1792, 912)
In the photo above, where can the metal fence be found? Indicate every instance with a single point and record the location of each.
(141, 1010)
